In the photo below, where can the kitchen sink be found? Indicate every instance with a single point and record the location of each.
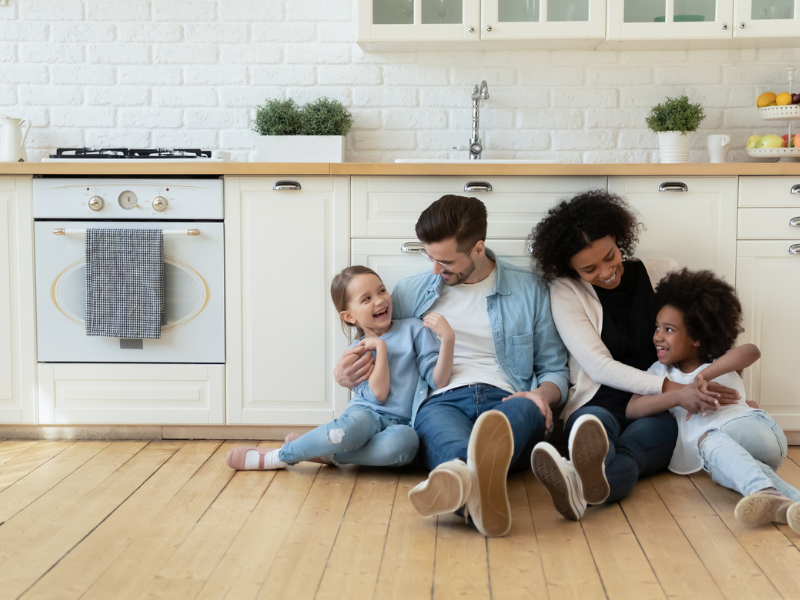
(499, 161)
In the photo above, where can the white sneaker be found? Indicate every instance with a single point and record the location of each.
(588, 447)
(561, 480)
(762, 508)
(444, 491)
(491, 447)
(793, 517)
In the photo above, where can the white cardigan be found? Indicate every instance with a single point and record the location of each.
(578, 315)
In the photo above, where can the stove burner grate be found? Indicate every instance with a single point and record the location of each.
(131, 153)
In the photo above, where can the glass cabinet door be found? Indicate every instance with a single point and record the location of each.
(665, 19)
(554, 19)
(766, 18)
(428, 20)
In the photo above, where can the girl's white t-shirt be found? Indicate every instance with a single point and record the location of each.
(474, 357)
(686, 457)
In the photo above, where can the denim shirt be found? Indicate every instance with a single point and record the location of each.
(526, 342)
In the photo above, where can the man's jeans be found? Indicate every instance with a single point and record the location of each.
(361, 436)
(744, 453)
(635, 448)
(444, 423)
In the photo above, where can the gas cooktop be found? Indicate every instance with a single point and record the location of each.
(141, 154)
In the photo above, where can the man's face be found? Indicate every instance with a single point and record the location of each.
(455, 267)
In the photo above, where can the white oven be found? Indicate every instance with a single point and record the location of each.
(189, 211)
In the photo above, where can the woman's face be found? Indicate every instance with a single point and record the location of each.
(600, 263)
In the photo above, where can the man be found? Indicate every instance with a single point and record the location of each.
(509, 369)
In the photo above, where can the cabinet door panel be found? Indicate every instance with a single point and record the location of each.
(696, 228)
(282, 250)
(546, 19)
(390, 206)
(766, 18)
(669, 19)
(768, 284)
(17, 335)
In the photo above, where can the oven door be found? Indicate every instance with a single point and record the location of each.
(194, 281)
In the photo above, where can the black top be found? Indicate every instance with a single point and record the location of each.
(628, 326)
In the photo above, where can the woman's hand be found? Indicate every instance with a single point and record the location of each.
(439, 325)
(354, 367)
(695, 398)
(541, 402)
(724, 395)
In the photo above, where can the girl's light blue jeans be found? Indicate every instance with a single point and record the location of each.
(361, 436)
(744, 453)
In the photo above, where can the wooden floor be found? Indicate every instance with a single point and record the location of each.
(114, 520)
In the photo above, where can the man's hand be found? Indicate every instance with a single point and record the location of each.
(541, 402)
(354, 367)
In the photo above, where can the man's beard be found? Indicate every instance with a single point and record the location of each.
(461, 277)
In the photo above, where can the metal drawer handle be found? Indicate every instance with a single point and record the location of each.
(165, 231)
(412, 247)
(794, 222)
(478, 186)
(530, 248)
(795, 189)
(673, 186)
(794, 249)
(286, 185)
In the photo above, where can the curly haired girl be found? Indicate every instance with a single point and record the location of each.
(698, 320)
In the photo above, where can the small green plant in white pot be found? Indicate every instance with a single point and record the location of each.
(675, 122)
(311, 133)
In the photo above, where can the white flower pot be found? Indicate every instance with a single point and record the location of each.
(674, 147)
(301, 148)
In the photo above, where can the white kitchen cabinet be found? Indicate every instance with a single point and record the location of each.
(17, 339)
(480, 24)
(689, 219)
(768, 285)
(702, 23)
(285, 239)
(388, 207)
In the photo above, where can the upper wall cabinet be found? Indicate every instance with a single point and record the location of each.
(480, 24)
(702, 23)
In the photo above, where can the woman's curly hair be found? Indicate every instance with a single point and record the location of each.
(574, 224)
(711, 311)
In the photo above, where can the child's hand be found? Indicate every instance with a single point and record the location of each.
(439, 325)
(695, 398)
(373, 343)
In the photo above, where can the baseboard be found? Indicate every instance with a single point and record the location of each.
(793, 437)
(149, 432)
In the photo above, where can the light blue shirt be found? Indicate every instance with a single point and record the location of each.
(526, 342)
(412, 351)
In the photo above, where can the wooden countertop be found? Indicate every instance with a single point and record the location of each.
(419, 169)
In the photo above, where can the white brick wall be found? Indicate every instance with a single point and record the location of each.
(190, 73)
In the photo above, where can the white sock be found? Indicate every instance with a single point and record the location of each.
(271, 460)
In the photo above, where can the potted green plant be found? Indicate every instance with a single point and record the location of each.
(311, 133)
(675, 122)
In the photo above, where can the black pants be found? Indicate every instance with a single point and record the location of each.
(636, 448)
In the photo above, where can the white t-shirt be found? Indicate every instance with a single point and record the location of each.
(474, 358)
(686, 457)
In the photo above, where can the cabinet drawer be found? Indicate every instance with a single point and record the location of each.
(390, 206)
(769, 191)
(769, 223)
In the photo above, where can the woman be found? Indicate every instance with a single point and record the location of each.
(601, 303)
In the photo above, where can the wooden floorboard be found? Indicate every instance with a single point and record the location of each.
(138, 519)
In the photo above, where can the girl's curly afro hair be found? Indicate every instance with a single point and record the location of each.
(574, 224)
(711, 311)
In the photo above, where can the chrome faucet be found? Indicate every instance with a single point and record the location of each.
(478, 94)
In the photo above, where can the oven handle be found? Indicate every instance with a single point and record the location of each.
(165, 231)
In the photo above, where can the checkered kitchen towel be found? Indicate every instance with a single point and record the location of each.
(124, 282)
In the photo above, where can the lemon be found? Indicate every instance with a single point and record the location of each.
(783, 99)
(766, 99)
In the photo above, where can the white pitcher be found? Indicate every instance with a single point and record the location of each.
(12, 140)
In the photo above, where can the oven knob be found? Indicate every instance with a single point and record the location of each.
(160, 204)
(96, 203)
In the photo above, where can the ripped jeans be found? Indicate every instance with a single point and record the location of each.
(743, 454)
(361, 436)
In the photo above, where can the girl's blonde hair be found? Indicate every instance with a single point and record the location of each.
(339, 292)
